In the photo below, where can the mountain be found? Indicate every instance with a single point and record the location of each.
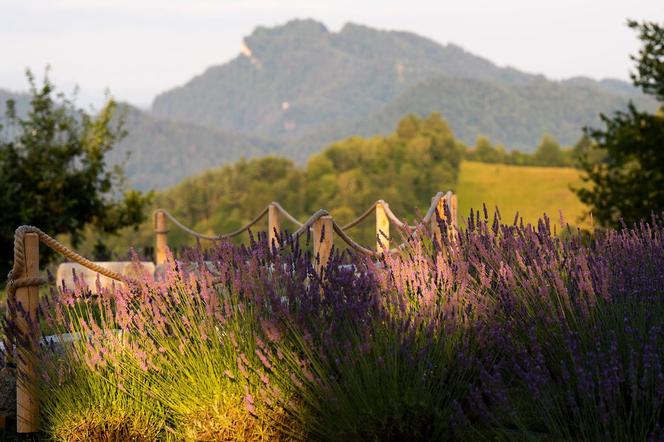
(296, 78)
(296, 88)
(159, 153)
(504, 113)
(21, 100)
(306, 86)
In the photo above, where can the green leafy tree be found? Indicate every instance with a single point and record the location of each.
(628, 182)
(485, 152)
(53, 172)
(406, 168)
(548, 153)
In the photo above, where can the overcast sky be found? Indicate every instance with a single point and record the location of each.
(138, 48)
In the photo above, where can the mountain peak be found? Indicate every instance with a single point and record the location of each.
(298, 80)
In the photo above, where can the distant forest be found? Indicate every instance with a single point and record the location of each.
(405, 168)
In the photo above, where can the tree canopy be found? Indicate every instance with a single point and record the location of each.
(406, 168)
(53, 172)
(547, 154)
(624, 164)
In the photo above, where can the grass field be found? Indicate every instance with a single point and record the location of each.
(531, 191)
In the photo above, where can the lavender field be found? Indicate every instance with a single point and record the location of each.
(503, 332)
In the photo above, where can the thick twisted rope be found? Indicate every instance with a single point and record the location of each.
(351, 243)
(308, 223)
(209, 237)
(17, 277)
(288, 216)
(388, 212)
(391, 216)
(340, 230)
(360, 218)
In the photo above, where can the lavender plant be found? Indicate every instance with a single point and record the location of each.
(505, 332)
(579, 324)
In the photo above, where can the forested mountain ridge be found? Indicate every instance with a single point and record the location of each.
(306, 86)
(501, 112)
(295, 78)
(159, 152)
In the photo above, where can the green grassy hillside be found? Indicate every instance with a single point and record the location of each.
(531, 191)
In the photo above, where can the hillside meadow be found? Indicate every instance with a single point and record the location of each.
(530, 191)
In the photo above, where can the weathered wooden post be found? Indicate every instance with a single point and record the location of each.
(440, 212)
(27, 324)
(454, 210)
(273, 225)
(161, 237)
(382, 228)
(323, 241)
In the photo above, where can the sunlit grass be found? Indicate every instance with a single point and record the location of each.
(531, 191)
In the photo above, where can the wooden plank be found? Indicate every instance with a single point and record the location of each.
(382, 229)
(161, 238)
(27, 381)
(273, 225)
(323, 241)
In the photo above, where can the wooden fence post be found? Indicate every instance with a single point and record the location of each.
(161, 237)
(27, 324)
(440, 212)
(323, 241)
(454, 210)
(382, 229)
(273, 226)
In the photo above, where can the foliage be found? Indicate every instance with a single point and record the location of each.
(506, 333)
(547, 154)
(405, 168)
(627, 183)
(53, 171)
(649, 74)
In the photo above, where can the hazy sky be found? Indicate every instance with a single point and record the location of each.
(138, 48)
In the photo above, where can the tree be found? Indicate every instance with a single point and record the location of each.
(485, 152)
(628, 182)
(53, 172)
(548, 153)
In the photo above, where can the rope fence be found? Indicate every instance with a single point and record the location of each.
(23, 284)
(24, 279)
(384, 218)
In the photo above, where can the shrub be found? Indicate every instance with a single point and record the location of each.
(500, 332)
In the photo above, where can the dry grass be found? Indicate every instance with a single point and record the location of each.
(100, 426)
(229, 420)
